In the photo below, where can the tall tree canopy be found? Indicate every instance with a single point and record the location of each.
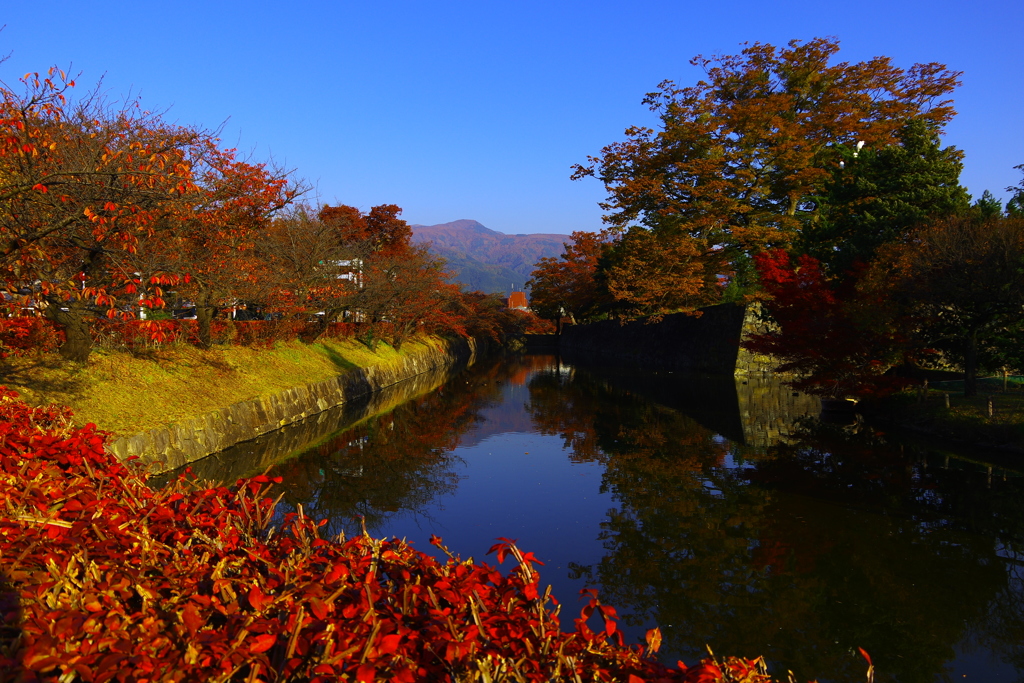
(740, 158)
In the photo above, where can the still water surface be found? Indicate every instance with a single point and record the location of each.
(707, 508)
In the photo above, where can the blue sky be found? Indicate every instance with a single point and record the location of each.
(477, 110)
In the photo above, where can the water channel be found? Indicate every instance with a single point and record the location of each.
(719, 510)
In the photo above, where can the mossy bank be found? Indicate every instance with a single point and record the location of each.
(174, 405)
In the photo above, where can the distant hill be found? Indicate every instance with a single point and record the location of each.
(485, 259)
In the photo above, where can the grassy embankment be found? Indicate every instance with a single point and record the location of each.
(126, 393)
(965, 419)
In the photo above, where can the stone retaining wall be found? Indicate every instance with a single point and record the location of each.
(167, 448)
(708, 344)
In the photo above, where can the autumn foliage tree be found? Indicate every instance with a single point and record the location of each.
(85, 185)
(105, 209)
(962, 280)
(568, 286)
(648, 275)
(840, 341)
(400, 288)
(314, 270)
(740, 157)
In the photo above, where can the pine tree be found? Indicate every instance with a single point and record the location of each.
(877, 196)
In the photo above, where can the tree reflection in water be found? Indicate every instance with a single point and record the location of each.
(802, 552)
(391, 465)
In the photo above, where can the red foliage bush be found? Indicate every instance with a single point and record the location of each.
(839, 341)
(340, 330)
(22, 334)
(105, 579)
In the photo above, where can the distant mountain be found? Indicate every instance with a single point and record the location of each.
(485, 259)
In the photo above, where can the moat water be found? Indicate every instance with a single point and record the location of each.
(721, 511)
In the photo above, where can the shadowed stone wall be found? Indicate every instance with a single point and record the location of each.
(176, 445)
(249, 458)
(708, 344)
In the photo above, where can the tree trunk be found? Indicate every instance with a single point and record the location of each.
(77, 340)
(204, 318)
(971, 364)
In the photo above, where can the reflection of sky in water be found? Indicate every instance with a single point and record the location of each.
(522, 486)
(519, 486)
(745, 566)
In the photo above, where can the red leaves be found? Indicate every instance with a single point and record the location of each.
(21, 335)
(871, 667)
(116, 580)
(839, 341)
(262, 643)
(502, 549)
(257, 599)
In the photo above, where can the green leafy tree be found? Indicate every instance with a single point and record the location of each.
(988, 206)
(876, 196)
(1015, 205)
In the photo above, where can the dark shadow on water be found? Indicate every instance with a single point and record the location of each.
(753, 411)
(255, 456)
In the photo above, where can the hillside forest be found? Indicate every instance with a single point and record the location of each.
(487, 260)
(820, 190)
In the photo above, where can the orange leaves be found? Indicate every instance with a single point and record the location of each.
(191, 618)
(262, 643)
(258, 599)
(653, 638)
(39, 187)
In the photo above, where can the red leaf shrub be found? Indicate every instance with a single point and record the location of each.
(22, 334)
(839, 341)
(105, 579)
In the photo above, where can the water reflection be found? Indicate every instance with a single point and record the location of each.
(394, 465)
(714, 509)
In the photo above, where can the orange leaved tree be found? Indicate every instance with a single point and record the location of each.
(741, 156)
(568, 286)
(85, 186)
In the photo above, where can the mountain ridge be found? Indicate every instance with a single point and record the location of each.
(484, 259)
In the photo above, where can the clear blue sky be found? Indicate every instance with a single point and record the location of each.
(477, 110)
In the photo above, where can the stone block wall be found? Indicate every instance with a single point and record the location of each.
(705, 344)
(168, 448)
(253, 456)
